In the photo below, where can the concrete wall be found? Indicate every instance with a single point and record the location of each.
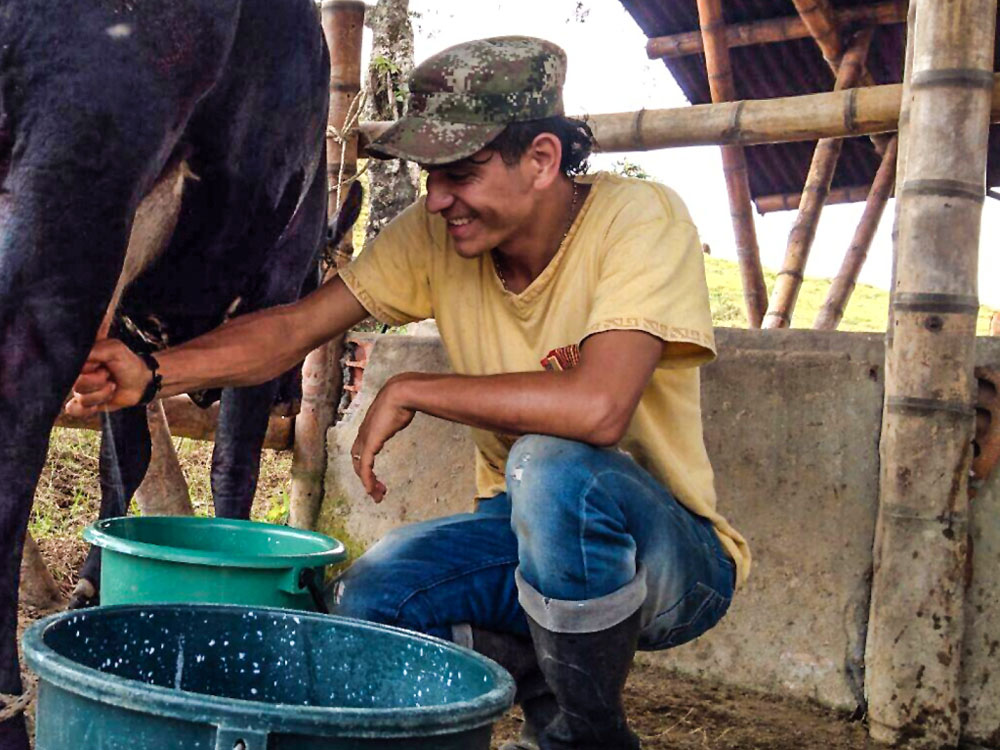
(792, 421)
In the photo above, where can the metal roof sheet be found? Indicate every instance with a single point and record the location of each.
(779, 69)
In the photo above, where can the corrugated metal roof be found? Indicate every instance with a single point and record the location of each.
(789, 68)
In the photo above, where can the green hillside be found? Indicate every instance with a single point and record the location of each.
(868, 309)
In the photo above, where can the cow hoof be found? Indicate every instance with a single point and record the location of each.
(84, 595)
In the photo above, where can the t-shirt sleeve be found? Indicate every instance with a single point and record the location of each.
(391, 275)
(652, 278)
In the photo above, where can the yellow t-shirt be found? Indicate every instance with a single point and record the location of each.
(631, 260)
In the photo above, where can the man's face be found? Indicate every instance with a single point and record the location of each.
(485, 202)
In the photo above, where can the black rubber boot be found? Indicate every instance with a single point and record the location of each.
(587, 673)
(517, 656)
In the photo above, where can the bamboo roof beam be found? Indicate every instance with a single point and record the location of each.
(824, 27)
(834, 114)
(773, 30)
(824, 162)
(789, 201)
(914, 651)
(734, 163)
(843, 285)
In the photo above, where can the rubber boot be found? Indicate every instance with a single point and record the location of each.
(533, 695)
(587, 673)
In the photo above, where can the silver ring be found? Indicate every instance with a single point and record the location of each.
(356, 456)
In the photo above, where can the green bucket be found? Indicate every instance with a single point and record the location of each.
(212, 677)
(146, 559)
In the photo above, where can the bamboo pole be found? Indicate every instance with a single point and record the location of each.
(836, 114)
(790, 201)
(824, 27)
(817, 15)
(343, 23)
(917, 612)
(734, 164)
(837, 297)
(188, 420)
(824, 162)
(774, 30)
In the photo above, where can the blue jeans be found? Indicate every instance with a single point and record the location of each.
(582, 538)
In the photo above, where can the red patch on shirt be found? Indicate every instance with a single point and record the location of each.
(563, 358)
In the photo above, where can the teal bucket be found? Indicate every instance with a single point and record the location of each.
(212, 677)
(148, 559)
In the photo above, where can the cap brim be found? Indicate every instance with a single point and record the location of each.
(433, 142)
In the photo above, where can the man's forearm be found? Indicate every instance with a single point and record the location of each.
(248, 350)
(255, 348)
(562, 404)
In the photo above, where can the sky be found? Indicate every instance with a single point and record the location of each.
(609, 72)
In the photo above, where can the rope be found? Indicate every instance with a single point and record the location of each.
(341, 136)
(345, 132)
(16, 704)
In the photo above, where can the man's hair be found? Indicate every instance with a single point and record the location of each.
(575, 135)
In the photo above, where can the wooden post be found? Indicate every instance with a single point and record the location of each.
(834, 114)
(824, 162)
(840, 290)
(773, 30)
(790, 201)
(343, 23)
(916, 625)
(734, 163)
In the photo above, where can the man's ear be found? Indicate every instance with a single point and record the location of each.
(544, 156)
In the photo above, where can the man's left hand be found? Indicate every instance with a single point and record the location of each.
(386, 416)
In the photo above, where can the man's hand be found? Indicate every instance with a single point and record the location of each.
(112, 378)
(386, 416)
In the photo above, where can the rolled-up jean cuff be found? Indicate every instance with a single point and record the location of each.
(586, 616)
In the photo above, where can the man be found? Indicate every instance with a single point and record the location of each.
(575, 311)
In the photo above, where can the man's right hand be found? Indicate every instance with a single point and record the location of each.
(113, 377)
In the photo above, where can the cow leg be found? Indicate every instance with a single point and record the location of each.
(125, 453)
(14, 514)
(244, 412)
(239, 437)
(91, 118)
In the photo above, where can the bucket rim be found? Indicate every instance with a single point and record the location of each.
(98, 534)
(65, 674)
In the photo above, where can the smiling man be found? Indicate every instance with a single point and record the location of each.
(575, 314)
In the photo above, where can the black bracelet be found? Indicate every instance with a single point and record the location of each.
(153, 387)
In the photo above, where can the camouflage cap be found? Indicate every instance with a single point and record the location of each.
(462, 98)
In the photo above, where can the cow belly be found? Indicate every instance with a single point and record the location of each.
(152, 228)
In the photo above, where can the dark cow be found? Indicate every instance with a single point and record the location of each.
(190, 132)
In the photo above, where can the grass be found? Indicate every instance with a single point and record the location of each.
(867, 310)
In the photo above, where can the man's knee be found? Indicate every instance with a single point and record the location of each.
(546, 477)
(360, 593)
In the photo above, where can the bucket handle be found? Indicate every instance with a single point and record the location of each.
(240, 739)
(308, 580)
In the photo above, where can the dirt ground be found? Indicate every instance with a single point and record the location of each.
(667, 710)
(670, 712)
